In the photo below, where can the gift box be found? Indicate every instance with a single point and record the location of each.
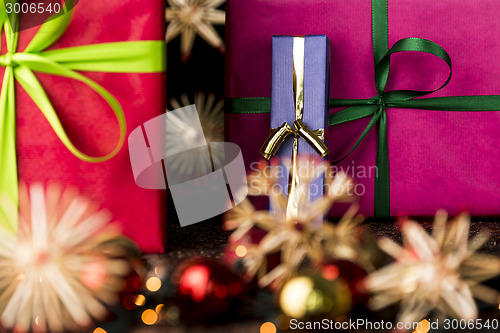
(132, 75)
(299, 108)
(415, 155)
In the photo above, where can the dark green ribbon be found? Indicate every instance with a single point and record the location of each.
(376, 107)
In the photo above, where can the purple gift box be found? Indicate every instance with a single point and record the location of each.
(299, 102)
(438, 159)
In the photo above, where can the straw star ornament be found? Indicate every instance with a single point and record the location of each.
(440, 271)
(183, 130)
(210, 112)
(190, 17)
(62, 267)
(298, 238)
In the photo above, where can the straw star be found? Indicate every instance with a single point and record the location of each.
(190, 17)
(184, 131)
(298, 238)
(62, 268)
(441, 271)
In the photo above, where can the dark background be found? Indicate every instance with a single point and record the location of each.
(203, 72)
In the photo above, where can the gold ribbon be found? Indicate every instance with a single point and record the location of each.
(279, 135)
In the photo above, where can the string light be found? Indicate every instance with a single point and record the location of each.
(149, 317)
(268, 327)
(241, 251)
(153, 284)
(159, 307)
(140, 300)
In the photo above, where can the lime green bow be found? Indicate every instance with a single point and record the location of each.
(122, 57)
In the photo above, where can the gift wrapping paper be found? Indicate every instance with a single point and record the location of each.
(299, 104)
(90, 123)
(438, 159)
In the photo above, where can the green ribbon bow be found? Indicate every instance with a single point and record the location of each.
(119, 57)
(377, 106)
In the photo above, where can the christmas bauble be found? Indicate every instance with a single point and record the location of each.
(236, 251)
(205, 289)
(313, 296)
(350, 273)
(124, 248)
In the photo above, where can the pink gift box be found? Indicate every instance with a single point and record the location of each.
(438, 159)
(90, 123)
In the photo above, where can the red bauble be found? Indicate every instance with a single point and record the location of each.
(236, 250)
(133, 285)
(206, 289)
(351, 273)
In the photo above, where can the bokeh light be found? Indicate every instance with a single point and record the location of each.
(153, 284)
(241, 251)
(149, 317)
(159, 307)
(140, 300)
(268, 327)
(293, 298)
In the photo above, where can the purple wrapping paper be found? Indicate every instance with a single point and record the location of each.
(317, 55)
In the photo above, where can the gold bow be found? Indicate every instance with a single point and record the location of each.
(278, 135)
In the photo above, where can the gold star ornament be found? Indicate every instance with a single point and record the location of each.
(190, 17)
(442, 271)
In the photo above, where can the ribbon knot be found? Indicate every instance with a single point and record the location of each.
(381, 103)
(279, 135)
(6, 60)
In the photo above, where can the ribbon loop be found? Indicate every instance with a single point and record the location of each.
(279, 135)
(275, 139)
(310, 137)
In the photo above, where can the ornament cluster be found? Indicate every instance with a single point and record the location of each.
(281, 270)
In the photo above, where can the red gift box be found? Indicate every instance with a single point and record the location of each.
(90, 123)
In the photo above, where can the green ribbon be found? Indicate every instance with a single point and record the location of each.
(376, 106)
(123, 57)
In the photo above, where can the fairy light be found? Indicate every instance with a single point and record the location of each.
(140, 300)
(159, 307)
(268, 327)
(149, 317)
(99, 330)
(153, 284)
(241, 251)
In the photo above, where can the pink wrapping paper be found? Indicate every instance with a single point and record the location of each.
(437, 159)
(90, 122)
